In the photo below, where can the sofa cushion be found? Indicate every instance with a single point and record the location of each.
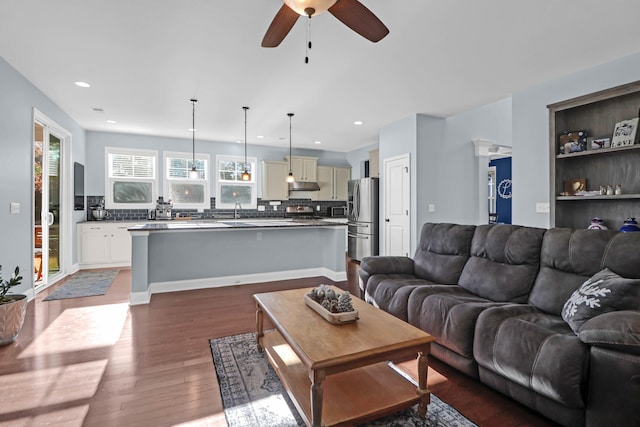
(504, 262)
(451, 318)
(569, 257)
(392, 294)
(603, 292)
(617, 330)
(442, 252)
(375, 280)
(536, 350)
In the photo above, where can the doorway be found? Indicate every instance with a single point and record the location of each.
(49, 209)
(397, 206)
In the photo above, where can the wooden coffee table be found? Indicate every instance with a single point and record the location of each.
(338, 374)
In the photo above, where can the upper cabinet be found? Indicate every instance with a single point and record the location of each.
(374, 163)
(333, 182)
(305, 169)
(593, 147)
(274, 180)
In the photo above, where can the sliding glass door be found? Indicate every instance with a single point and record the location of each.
(47, 209)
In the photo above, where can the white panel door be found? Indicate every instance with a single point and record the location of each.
(397, 206)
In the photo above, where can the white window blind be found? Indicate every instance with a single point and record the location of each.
(186, 192)
(132, 180)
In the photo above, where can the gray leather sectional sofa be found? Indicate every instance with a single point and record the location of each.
(550, 318)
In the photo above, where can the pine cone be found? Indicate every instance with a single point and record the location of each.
(344, 302)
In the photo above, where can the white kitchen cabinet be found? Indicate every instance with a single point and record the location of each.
(274, 180)
(374, 163)
(333, 181)
(305, 169)
(104, 244)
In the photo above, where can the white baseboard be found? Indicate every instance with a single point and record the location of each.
(138, 298)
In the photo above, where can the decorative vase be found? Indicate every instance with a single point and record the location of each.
(597, 224)
(12, 318)
(630, 224)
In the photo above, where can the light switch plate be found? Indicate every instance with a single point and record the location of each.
(542, 207)
(15, 208)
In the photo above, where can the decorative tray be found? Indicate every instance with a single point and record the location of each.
(335, 318)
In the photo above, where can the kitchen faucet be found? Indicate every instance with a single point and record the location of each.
(236, 214)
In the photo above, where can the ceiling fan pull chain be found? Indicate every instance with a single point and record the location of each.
(306, 58)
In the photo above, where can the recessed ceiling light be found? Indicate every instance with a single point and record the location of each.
(83, 84)
(238, 141)
(260, 136)
(358, 123)
(111, 122)
(192, 130)
(317, 142)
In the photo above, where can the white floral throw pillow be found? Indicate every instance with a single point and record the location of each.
(605, 291)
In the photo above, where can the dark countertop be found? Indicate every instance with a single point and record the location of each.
(246, 223)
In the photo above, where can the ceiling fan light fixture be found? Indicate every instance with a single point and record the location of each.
(301, 6)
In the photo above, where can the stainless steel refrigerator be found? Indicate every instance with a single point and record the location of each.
(362, 232)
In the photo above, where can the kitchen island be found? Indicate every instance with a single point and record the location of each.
(173, 256)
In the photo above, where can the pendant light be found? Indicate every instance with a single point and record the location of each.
(246, 176)
(193, 174)
(290, 178)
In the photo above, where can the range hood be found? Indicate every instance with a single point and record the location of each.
(304, 186)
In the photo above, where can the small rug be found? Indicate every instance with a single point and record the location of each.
(84, 284)
(253, 396)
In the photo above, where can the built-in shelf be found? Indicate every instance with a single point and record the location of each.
(589, 198)
(598, 151)
(597, 114)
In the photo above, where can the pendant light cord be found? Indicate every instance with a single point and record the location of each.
(193, 133)
(245, 137)
(290, 116)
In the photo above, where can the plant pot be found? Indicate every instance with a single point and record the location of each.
(12, 318)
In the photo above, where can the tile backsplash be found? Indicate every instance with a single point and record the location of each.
(212, 212)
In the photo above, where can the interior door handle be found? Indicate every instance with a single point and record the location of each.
(50, 218)
(387, 220)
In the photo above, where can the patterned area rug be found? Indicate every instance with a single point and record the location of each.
(252, 394)
(84, 284)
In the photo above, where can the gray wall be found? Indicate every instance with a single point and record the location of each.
(97, 141)
(444, 169)
(531, 131)
(18, 98)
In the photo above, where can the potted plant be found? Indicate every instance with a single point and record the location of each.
(12, 308)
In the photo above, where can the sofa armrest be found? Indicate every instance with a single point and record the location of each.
(616, 330)
(383, 265)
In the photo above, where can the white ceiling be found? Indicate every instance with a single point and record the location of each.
(145, 59)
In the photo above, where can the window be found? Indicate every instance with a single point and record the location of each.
(185, 192)
(131, 178)
(230, 188)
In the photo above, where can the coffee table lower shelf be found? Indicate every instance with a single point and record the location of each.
(351, 397)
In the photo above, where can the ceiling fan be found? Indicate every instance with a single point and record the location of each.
(352, 13)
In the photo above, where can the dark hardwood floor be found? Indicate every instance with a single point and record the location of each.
(98, 362)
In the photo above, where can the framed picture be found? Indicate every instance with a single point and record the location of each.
(572, 142)
(624, 133)
(573, 186)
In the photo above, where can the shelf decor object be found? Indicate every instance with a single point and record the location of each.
(572, 142)
(624, 133)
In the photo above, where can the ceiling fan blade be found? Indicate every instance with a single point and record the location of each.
(280, 26)
(356, 16)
